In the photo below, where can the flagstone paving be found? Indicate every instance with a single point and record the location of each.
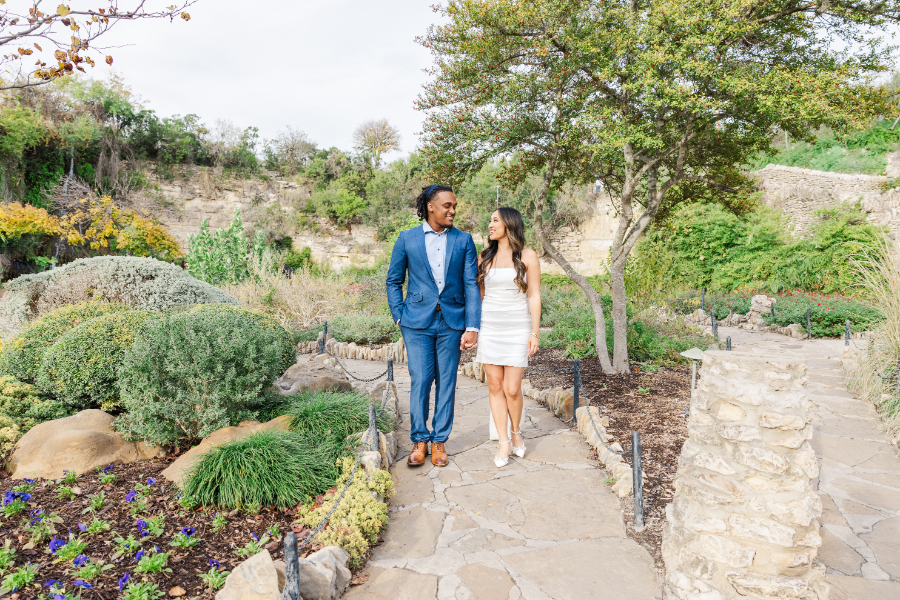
(543, 527)
(859, 480)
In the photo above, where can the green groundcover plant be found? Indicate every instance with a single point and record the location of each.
(22, 406)
(327, 419)
(268, 468)
(200, 369)
(828, 312)
(82, 368)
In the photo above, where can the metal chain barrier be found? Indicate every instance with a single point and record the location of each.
(347, 371)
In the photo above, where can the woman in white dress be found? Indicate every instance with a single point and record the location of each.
(510, 278)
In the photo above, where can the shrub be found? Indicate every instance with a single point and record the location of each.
(21, 357)
(358, 519)
(26, 406)
(267, 468)
(143, 283)
(299, 261)
(573, 330)
(362, 328)
(200, 369)
(224, 256)
(82, 369)
(328, 418)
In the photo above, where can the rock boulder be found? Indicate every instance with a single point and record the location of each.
(253, 579)
(81, 443)
(313, 376)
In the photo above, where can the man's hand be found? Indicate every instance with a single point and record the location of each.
(469, 340)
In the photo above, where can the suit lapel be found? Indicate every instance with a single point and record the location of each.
(423, 255)
(451, 240)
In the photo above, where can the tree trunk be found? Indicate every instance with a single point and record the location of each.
(620, 316)
(582, 282)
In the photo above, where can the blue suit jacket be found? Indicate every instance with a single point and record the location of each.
(461, 298)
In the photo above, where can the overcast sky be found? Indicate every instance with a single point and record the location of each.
(321, 66)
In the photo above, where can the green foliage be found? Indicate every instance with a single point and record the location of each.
(860, 151)
(22, 407)
(18, 579)
(362, 328)
(83, 367)
(92, 570)
(22, 356)
(268, 468)
(707, 246)
(300, 260)
(253, 547)
(214, 578)
(153, 561)
(223, 256)
(336, 203)
(70, 551)
(199, 370)
(143, 590)
(97, 526)
(573, 330)
(326, 419)
(7, 557)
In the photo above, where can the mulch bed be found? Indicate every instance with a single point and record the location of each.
(186, 563)
(654, 403)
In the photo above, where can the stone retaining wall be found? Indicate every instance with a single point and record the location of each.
(743, 522)
(799, 193)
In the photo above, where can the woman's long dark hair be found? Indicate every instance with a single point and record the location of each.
(427, 195)
(515, 235)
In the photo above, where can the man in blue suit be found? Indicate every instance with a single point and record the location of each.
(442, 302)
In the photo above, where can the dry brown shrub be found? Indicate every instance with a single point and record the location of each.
(874, 368)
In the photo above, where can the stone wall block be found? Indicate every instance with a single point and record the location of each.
(744, 520)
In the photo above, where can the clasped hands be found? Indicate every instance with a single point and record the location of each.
(469, 340)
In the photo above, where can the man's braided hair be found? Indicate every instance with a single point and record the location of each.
(427, 196)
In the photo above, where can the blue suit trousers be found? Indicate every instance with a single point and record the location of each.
(433, 358)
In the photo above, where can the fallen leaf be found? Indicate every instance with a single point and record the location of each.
(177, 592)
(359, 578)
(271, 546)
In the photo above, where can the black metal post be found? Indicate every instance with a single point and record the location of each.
(292, 567)
(728, 343)
(577, 385)
(772, 309)
(847, 333)
(638, 481)
(715, 325)
(321, 343)
(808, 324)
(373, 429)
(370, 344)
(390, 369)
(325, 330)
(703, 300)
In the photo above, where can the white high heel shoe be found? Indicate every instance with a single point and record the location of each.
(520, 450)
(501, 462)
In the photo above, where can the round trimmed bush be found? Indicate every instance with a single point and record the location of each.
(268, 468)
(21, 357)
(200, 369)
(142, 283)
(82, 368)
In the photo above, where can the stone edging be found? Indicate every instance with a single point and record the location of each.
(379, 352)
(560, 401)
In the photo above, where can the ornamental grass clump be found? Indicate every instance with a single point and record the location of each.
(82, 368)
(327, 419)
(267, 468)
(200, 369)
(359, 518)
(22, 356)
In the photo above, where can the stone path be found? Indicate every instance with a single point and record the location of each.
(544, 527)
(859, 481)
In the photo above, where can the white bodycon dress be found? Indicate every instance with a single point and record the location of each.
(505, 321)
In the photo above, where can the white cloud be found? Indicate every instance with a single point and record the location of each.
(322, 67)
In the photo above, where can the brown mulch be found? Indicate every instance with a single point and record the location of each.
(185, 563)
(653, 403)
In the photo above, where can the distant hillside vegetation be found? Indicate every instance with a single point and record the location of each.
(859, 152)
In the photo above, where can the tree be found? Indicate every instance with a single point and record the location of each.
(293, 149)
(375, 138)
(21, 32)
(643, 95)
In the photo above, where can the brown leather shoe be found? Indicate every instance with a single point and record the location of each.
(417, 456)
(439, 454)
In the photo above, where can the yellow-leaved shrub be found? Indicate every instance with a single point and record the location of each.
(359, 518)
